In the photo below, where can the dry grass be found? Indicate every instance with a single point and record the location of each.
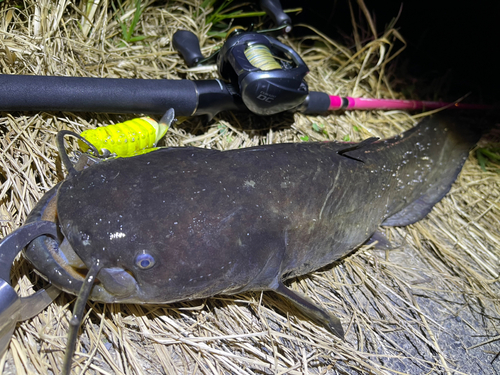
(430, 306)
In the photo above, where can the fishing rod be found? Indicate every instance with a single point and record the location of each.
(258, 74)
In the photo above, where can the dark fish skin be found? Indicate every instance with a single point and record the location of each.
(232, 221)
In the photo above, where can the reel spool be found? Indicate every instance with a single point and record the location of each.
(261, 57)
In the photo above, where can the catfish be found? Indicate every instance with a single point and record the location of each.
(187, 223)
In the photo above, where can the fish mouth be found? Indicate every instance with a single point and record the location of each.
(113, 284)
(56, 261)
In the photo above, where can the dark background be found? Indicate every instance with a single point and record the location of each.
(452, 42)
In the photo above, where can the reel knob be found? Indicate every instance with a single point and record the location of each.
(275, 11)
(187, 44)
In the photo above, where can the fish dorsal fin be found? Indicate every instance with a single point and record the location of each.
(355, 147)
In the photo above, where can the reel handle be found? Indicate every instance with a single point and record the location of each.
(188, 45)
(275, 11)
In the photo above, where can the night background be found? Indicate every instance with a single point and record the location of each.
(447, 41)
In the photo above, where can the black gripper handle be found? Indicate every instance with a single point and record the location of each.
(275, 11)
(188, 45)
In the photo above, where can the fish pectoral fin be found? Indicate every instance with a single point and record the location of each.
(311, 310)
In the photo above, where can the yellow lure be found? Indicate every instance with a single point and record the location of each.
(127, 138)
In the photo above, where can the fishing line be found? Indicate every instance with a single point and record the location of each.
(261, 57)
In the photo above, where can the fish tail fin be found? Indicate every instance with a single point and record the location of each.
(456, 135)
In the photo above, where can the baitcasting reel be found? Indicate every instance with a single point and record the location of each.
(268, 75)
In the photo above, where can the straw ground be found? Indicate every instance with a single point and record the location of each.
(431, 305)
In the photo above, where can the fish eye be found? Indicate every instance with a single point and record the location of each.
(144, 261)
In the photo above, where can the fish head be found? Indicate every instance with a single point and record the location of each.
(124, 275)
(128, 271)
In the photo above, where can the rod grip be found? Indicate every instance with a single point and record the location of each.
(105, 95)
(316, 102)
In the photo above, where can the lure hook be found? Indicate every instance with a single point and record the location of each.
(64, 155)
